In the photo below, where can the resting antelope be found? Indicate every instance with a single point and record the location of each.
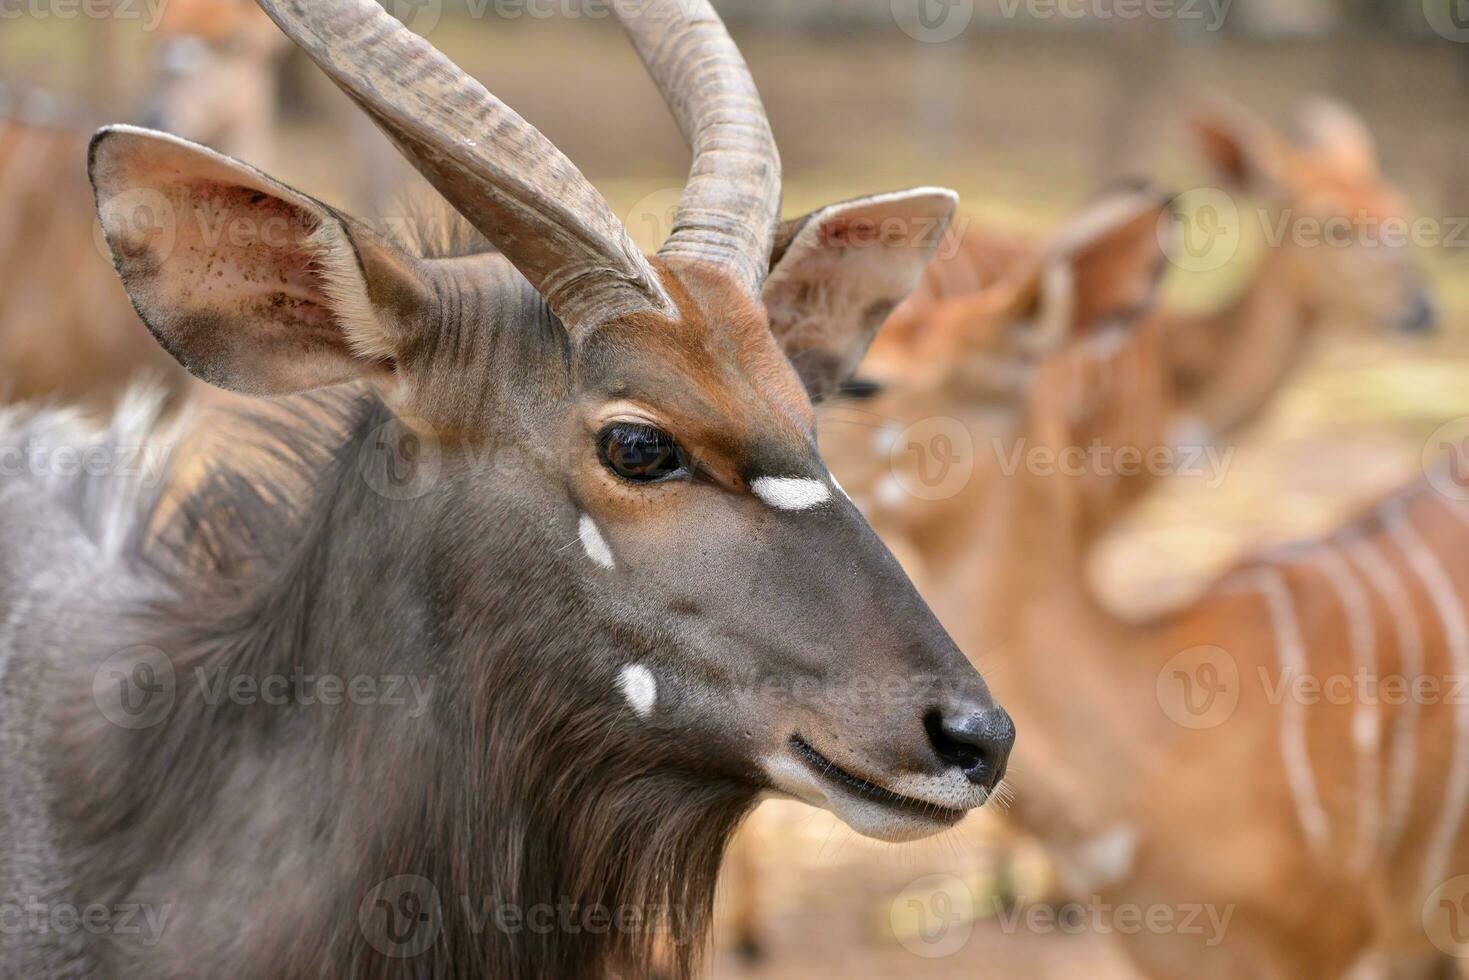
(1232, 361)
(1163, 766)
(630, 587)
(67, 328)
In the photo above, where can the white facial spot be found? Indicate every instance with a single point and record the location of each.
(640, 688)
(593, 542)
(890, 492)
(791, 492)
(886, 437)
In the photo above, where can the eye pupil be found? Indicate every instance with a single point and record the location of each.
(641, 453)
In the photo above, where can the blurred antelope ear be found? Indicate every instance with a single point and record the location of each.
(1240, 147)
(1336, 131)
(252, 286)
(837, 273)
(1102, 270)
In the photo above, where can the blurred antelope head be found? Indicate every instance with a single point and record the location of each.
(214, 75)
(1020, 378)
(635, 433)
(1327, 202)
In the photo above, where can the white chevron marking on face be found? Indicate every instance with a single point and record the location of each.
(791, 492)
(593, 542)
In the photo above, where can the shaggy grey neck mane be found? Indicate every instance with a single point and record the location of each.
(484, 812)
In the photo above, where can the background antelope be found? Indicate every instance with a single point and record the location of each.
(618, 579)
(1261, 807)
(1232, 360)
(67, 330)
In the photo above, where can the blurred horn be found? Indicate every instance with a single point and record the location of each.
(731, 204)
(494, 167)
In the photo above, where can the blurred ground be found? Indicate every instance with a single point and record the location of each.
(1025, 126)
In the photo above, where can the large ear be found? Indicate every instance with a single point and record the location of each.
(250, 285)
(1101, 270)
(837, 273)
(1340, 135)
(1241, 148)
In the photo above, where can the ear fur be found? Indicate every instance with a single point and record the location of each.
(837, 273)
(251, 285)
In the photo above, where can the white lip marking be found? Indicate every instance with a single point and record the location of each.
(791, 492)
(593, 542)
(640, 688)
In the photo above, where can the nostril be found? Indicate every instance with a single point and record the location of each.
(978, 742)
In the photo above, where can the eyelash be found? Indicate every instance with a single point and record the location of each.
(640, 453)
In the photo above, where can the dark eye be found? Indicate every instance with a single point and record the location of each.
(641, 453)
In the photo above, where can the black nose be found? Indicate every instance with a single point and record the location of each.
(977, 740)
(1419, 317)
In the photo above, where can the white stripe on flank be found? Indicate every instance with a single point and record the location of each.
(1291, 655)
(593, 543)
(1403, 758)
(790, 492)
(1450, 609)
(1367, 718)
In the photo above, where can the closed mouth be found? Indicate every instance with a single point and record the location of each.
(863, 789)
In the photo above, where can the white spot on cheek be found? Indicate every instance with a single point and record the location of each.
(593, 542)
(890, 492)
(791, 492)
(640, 688)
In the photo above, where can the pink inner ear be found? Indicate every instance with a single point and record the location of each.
(246, 245)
